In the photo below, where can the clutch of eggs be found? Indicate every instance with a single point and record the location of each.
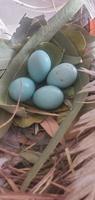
(49, 96)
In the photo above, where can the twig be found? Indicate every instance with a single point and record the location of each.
(8, 152)
(29, 196)
(62, 187)
(10, 182)
(69, 159)
(44, 181)
(21, 171)
(2, 190)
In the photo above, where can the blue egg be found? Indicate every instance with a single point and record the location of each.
(62, 76)
(39, 65)
(48, 97)
(21, 88)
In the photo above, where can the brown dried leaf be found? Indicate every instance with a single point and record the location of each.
(91, 99)
(85, 122)
(50, 125)
(90, 87)
(85, 149)
(82, 182)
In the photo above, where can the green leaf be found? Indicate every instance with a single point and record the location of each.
(76, 27)
(4, 117)
(77, 38)
(28, 121)
(6, 54)
(54, 52)
(65, 43)
(69, 92)
(75, 60)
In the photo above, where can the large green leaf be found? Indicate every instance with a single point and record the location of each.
(17, 67)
